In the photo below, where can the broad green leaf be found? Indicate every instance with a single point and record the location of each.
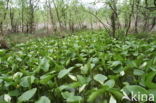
(14, 93)
(97, 93)
(83, 80)
(7, 98)
(17, 75)
(122, 73)
(116, 93)
(2, 52)
(84, 69)
(26, 96)
(152, 93)
(116, 63)
(95, 60)
(143, 65)
(70, 97)
(110, 83)
(112, 100)
(63, 87)
(72, 77)
(138, 72)
(82, 88)
(67, 94)
(45, 79)
(149, 80)
(1, 81)
(74, 99)
(43, 99)
(27, 81)
(100, 78)
(44, 65)
(64, 72)
(131, 64)
(136, 89)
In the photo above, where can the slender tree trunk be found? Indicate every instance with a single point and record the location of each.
(51, 16)
(113, 24)
(22, 17)
(1, 28)
(137, 16)
(4, 17)
(114, 17)
(31, 17)
(146, 20)
(130, 18)
(91, 23)
(136, 23)
(153, 23)
(13, 28)
(57, 14)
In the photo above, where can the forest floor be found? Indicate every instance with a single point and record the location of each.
(15, 38)
(85, 67)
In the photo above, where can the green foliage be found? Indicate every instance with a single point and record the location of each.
(86, 68)
(27, 95)
(43, 99)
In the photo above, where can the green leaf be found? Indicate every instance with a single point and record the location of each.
(135, 89)
(82, 88)
(83, 80)
(43, 99)
(95, 60)
(74, 99)
(143, 65)
(149, 80)
(44, 65)
(17, 75)
(26, 96)
(72, 77)
(153, 93)
(97, 93)
(2, 52)
(7, 98)
(100, 78)
(84, 69)
(110, 83)
(71, 98)
(27, 81)
(1, 81)
(45, 79)
(67, 94)
(64, 72)
(138, 72)
(14, 93)
(116, 63)
(112, 100)
(116, 93)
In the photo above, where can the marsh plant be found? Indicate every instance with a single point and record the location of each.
(89, 67)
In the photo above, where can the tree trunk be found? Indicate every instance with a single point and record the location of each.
(4, 17)
(13, 28)
(51, 16)
(57, 14)
(137, 16)
(22, 17)
(114, 17)
(130, 18)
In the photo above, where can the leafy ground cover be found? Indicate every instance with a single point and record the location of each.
(89, 67)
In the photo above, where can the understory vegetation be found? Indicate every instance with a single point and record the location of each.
(87, 67)
(77, 51)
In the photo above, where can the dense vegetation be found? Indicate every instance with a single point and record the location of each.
(87, 67)
(52, 52)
